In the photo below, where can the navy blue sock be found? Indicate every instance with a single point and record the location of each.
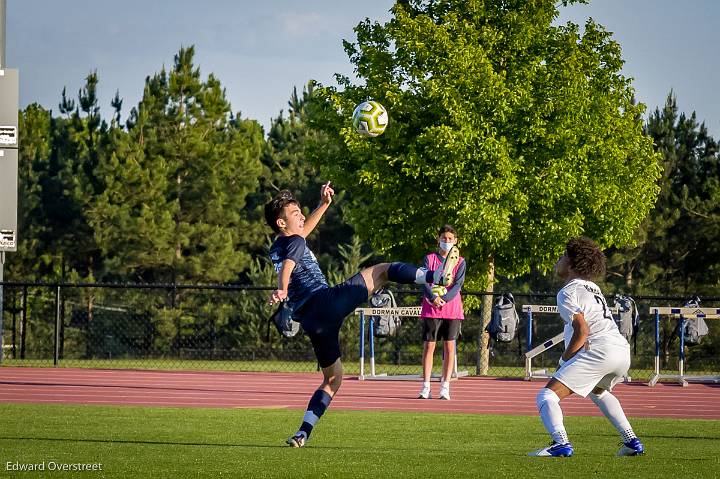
(405, 273)
(319, 402)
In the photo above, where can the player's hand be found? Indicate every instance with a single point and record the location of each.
(277, 296)
(438, 302)
(326, 194)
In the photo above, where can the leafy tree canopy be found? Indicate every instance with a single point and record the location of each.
(519, 132)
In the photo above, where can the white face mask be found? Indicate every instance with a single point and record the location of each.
(446, 246)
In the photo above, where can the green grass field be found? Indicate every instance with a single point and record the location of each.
(175, 442)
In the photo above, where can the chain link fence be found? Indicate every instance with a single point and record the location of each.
(702, 359)
(218, 327)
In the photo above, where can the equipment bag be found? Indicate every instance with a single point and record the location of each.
(627, 319)
(504, 322)
(282, 319)
(694, 329)
(386, 324)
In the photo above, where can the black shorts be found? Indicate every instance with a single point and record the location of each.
(322, 315)
(436, 329)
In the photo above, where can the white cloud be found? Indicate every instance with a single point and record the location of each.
(304, 25)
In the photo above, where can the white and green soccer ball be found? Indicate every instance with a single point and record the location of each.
(370, 118)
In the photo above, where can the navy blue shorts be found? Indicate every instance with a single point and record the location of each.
(322, 315)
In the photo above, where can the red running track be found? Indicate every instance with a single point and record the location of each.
(472, 395)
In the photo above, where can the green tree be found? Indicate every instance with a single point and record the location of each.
(58, 156)
(35, 130)
(352, 258)
(519, 132)
(79, 143)
(177, 181)
(286, 166)
(676, 249)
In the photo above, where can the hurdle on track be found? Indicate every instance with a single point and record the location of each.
(409, 311)
(681, 314)
(529, 309)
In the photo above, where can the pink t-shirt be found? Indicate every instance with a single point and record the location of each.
(453, 309)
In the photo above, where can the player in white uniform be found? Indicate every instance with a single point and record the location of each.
(596, 355)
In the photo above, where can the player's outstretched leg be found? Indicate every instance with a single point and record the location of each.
(404, 273)
(611, 408)
(548, 403)
(319, 402)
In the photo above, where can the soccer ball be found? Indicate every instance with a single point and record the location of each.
(370, 118)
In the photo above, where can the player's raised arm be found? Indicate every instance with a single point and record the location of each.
(326, 194)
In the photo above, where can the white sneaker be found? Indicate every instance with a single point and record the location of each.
(445, 393)
(425, 393)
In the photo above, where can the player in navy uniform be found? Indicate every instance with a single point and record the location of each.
(596, 355)
(319, 308)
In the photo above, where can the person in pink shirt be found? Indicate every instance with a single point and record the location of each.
(442, 312)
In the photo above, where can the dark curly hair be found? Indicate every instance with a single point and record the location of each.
(274, 208)
(586, 257)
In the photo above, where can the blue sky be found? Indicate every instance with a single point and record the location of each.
(261, 50)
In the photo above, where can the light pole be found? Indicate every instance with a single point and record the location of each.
(2, 251)
(9, 100)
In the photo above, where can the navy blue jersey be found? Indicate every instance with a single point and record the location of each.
(306, 277)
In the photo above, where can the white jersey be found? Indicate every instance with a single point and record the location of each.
(581, 296)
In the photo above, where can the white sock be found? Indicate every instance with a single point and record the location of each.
(611, 408)
(548, 403)
(426, 384)
(446, 385)
(421, 276)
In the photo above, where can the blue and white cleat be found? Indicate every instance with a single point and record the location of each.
(554, 450)
(444, 275)
(632, 448)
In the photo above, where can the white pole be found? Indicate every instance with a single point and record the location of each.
(2, 253)
(2, 33)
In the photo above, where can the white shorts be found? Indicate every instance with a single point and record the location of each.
(603, 364)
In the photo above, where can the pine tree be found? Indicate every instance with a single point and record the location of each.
(174, 205)
(34, 153)
(63, 163)
(676, 251)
